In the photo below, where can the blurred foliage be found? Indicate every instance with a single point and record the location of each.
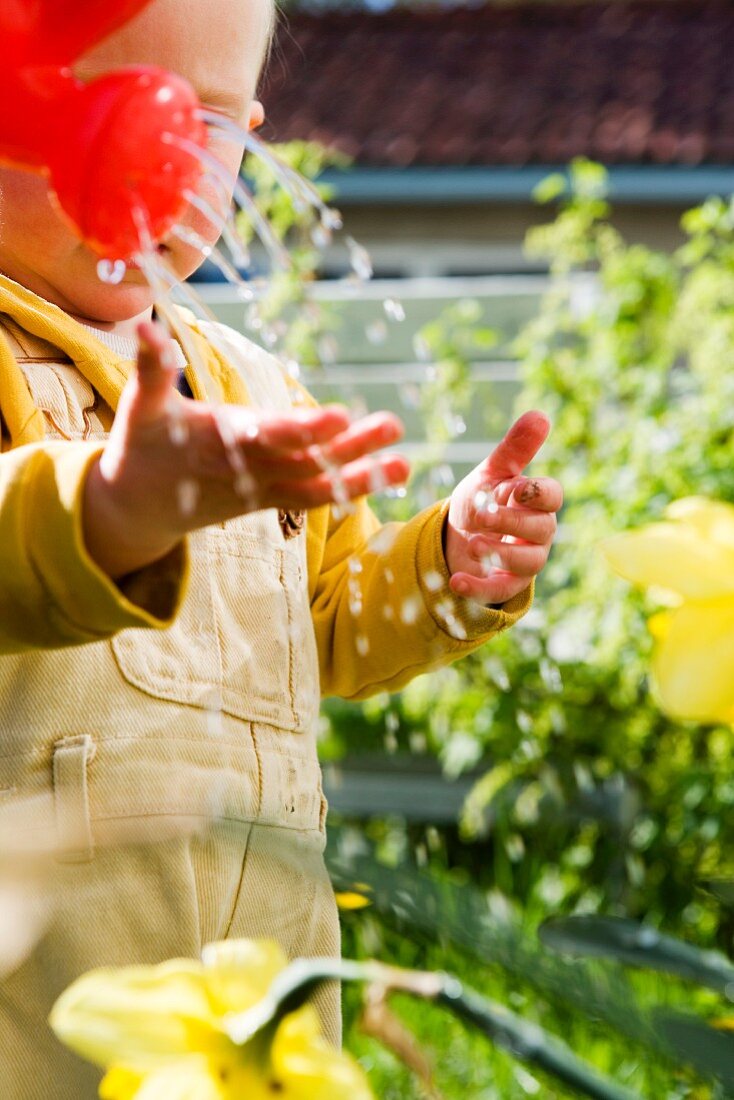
(589, 799)
(285, 317)
(620, 1020)
(592, 799)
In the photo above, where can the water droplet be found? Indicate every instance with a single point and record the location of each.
(422, 348)
(391, 743)
(377, 478)
(338, 488)
(355, 596)
(341, 509)
(452, 988)
(410, 395)
(551, 676)
(443, 476)
(244, 293)
(394, 309)
(359, 259)
(647, 937)
(396, 492)
(417, 742)
(444, 608)
(293, 368)
(168, 358)
(111, 271)
(524, 721)
(331, 218)
(358, 408)
(362, 644)
(321, 236)
(376, 332)
(485, 501)
(389, 575)
(409, 610)
(328, 349)
(526, 1081)
(456, 629)
(244, 485)
(187, 496)
(269, 335)
(253, 318)
(388, 613)
(178, 429)
(384, 540)
(433, 581)
(213, 708)
(355, 565)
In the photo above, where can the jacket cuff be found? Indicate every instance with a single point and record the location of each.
(85, 604)
(462, 619)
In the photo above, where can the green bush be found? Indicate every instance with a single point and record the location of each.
(592, 799)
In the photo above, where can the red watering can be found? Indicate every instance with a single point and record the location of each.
(118, 151)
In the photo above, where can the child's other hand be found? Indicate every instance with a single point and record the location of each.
(172, 466)
(495, 543)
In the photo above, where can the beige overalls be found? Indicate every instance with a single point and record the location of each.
(175, 771)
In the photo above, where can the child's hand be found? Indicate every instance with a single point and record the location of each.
(497, 540)
(172, 466)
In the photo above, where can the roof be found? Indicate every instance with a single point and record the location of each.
(641, 82)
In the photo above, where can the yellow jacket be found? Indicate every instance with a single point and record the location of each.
(52, 594)
(159, 735)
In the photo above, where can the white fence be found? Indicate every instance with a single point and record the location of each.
(375, 356)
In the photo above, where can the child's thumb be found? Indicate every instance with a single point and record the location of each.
(156, 370)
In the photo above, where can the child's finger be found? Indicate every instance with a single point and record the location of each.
(521, 523)
(353, 480)
(156, 371)
(369, 434)
(156, 363)
(495, 589)
(544, 494)
(361, 439)
(522, 559)
(521, 444)
(296, 430)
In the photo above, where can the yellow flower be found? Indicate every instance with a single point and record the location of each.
(349, 899)
(690, 557)
(162, 1032)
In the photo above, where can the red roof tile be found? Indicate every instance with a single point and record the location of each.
(646, 81)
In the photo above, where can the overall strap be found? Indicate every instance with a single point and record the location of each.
(23, 421)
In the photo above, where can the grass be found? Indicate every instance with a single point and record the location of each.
(466, 1065)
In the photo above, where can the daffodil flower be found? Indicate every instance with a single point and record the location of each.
(162, 1032)
(689, 559)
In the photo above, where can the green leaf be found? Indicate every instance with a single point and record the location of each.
(628, 942)
(721, 888)
(710, 1052)
(529, 1043)
(552, 187)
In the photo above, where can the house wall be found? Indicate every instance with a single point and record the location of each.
(475, 238)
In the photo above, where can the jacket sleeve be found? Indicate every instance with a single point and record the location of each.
(51, 592)
(382, 609)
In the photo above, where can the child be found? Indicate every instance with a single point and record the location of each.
(163, 653)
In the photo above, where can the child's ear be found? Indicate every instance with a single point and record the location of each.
(257, 115)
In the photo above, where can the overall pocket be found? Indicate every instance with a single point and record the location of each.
(243, 640)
